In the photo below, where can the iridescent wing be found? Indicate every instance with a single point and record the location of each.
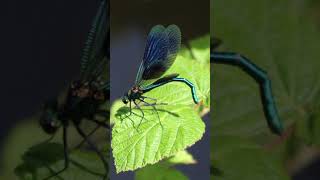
(96, 52)
(161, 50)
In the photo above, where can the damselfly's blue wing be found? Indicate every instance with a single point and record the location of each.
(174, 36)
(95, 53)
(162, 47)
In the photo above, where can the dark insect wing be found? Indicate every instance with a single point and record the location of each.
(159, 58)
(161, 50)
(95, 53)
(174, 37)
(156, 47)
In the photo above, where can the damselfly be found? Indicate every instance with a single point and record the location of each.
(163, 45)
(86, 95)
(259, 75)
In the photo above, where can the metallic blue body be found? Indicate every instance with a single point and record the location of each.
(261, 77)
(174, 79)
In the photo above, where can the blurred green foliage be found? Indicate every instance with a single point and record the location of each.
(282, 37)
(27, 156)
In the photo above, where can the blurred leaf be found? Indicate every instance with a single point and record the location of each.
(279, 37)
(182, 157)
(282, 38)
(235, 158)
(42, 160)
(23, 154)
(19, 139)
(314, 127)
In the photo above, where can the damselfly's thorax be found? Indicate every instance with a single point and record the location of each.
(134, 93)
(91, 90)
(83, 100)
(135, 90)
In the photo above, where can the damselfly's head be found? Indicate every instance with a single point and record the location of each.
(49, 121)
(125, 98)
(134, 93)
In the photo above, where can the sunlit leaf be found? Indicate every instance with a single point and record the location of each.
(149, 135)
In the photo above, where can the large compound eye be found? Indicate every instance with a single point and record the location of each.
(48, 119)
(49, 123)
(125, 99)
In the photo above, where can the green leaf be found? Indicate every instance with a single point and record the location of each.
(235, 158)
(195, 72)
(165, 169)
(114, 110)
(200, 49)
(308, 130)
(182, 157)
(138, 141)
(159, 172)
(173, 126)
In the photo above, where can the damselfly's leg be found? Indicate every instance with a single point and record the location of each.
(105, 163)
(130, 106)
(104, 123)
(261, 77)
(145, 97)
(151, 104)
(66, 156)
(99, 124)
(140, 111)
(154, 108)
(89, 134)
